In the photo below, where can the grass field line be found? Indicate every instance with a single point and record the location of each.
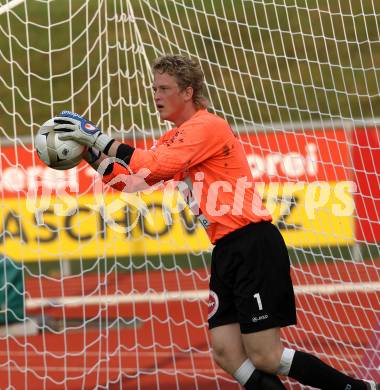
(189, 295)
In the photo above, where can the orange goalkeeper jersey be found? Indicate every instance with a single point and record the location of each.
(213, 173)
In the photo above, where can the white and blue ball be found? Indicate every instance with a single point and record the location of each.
(55, 153)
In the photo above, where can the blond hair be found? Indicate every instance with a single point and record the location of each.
(187, 72)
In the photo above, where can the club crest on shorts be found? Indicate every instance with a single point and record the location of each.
(213, 304)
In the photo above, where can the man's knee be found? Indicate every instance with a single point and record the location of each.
(227, 356)
(227, 347)
(264, 348)
(221, 354)
(266, 361)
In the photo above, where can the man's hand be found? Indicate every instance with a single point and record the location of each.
(75, 127)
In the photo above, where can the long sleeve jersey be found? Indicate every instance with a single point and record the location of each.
(207, 159)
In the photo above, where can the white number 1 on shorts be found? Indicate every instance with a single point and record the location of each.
(257, 296)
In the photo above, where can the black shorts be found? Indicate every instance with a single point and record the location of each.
(250, 280)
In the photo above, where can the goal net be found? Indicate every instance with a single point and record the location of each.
(101, 290)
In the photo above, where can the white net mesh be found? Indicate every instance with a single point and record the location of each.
(84, 305)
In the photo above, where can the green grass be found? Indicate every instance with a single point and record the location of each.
(269, 61)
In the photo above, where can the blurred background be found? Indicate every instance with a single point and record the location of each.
(84, 305)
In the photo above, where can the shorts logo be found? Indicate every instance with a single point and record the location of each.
(213, 304)
(260, 318)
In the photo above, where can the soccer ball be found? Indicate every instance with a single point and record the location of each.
(55, 153)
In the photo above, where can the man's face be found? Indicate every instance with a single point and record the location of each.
(170, 100)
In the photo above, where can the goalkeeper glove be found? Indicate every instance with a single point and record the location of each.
(75, 127)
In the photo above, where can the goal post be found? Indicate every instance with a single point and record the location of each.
(118, 285)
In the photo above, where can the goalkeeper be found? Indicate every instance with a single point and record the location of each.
(251, 292)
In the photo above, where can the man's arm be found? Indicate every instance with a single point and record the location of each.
(186, 147)
(117, 174)
(95, 157)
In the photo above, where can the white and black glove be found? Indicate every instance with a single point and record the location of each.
(75, 127)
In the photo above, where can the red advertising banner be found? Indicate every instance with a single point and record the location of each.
(296, 156)
(310, 155)
(314, 155)
(366, 163)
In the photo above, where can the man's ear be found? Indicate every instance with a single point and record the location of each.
(188, 93)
